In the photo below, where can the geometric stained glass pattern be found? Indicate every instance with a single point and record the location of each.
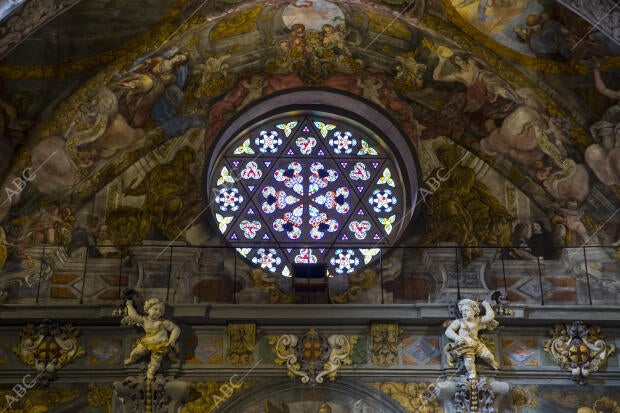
(309, 189)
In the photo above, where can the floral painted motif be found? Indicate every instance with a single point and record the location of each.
(320, 177)
(382, 200)
(291, 177)
(251, 171)
(343, 142)
(229, 199)
(359, 229)
(305, 145)
(268, 141)
(276, 199)
(344, 261)
(267, 259)
(250, 228)
(291, 223)
(287, 127)
(335, 200)
(359, 172)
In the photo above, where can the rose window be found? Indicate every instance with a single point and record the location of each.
(308, 188)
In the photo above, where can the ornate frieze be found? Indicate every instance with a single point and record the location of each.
(579, 349)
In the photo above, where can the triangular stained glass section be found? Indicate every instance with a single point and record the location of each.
(344, 237)
(251, 188)
(360, 189)
(376, 237)
(320, 152)
(287, 127)
(267, 163)
(250, 211)
(323, 127)
(360, 212)
(266, 237)
(235, 164)
(290, 152)
(234, 236)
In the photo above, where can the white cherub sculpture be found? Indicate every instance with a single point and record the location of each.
(464, 332)
(161, 334)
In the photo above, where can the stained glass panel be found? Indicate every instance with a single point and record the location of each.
(309, 189)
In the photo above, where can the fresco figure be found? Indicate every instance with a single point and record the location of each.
(604, 155)
(139, 88)
(487, 100)
(464, 332)
(544, 36)
(161, 334)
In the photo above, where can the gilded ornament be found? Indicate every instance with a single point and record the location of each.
(269, 284)
(313, 356)
(48, 347)
(409, 73)
(385, 338)
(580, 349)
(100, 396)
(414, 397)
(241, 343)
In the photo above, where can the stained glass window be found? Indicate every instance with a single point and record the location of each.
(308, 189)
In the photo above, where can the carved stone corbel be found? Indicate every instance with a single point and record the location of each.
(579, 349)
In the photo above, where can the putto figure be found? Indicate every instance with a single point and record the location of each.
(464, 332)
(161, 334)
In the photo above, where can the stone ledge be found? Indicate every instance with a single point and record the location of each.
(309, 314)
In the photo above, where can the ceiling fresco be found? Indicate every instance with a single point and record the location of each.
(514, 104)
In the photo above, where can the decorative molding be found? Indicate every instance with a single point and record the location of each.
(48, 348)
(579, 349)
(384, 340)
(241, 343)
(313, 356)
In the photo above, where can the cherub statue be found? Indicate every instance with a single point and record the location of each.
(464, 332)
(161, 334)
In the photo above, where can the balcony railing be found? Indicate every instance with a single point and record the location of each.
(49, 274)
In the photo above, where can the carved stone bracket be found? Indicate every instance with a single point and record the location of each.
(313, 357)
(471, 395)
(579, 349)
(241, 342)
(48, 347)
(384, 343)
(165, 396)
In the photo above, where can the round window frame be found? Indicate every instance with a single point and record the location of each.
(361, 113)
